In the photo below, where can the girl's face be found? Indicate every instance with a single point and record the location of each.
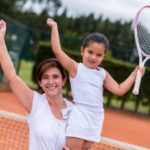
(93, 54)
(52, 82)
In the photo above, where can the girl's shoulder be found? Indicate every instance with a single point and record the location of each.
(102, 71)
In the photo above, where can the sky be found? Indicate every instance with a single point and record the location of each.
(112, 9)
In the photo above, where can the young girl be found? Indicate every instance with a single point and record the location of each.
(87, 79)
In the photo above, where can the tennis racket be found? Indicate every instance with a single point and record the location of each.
(141, 27)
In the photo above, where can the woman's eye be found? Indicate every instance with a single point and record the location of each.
(55, 76)
(45, 77)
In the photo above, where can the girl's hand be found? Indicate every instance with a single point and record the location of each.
(65, 148)
(142, 70)
(2, 29)
(51, 23)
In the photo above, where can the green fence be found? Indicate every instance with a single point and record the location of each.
(22, 42)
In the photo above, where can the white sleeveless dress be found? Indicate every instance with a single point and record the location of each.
(45, 131)
(86, 118)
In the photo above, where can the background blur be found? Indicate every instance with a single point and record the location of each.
(28, 40)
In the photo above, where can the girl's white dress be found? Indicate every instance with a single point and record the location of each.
(86, 118)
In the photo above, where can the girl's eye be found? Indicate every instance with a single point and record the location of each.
(99, 55)
(90, 52)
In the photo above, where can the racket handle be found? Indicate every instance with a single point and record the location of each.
(137, 83)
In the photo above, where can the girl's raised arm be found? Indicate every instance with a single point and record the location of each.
(69, 64)
(23, 93)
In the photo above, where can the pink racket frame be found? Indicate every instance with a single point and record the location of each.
(140, 53)
(136, 39)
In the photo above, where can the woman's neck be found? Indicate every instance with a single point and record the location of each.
(56, 101)
(56, 104)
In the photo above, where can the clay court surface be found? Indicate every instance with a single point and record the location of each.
(127, 128)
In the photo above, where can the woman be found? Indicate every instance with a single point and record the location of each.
(46, 123)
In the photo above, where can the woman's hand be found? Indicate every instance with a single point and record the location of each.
(2, 29)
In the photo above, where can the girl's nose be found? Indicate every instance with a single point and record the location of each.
(93, 57)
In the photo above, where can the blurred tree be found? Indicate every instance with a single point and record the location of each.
(10, 6)
(74, 28)
(51, 6)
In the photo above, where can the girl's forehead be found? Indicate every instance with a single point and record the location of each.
(95, 43)
(96, 46)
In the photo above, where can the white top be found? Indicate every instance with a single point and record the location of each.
(45, 131)
(87, 87)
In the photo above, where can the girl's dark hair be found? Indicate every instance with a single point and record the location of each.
(96, 37)
(46, 64)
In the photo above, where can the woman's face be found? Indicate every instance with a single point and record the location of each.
(52, 82)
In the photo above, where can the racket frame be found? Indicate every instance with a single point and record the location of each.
(140, 54)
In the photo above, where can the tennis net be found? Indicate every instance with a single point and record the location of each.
(14, 134)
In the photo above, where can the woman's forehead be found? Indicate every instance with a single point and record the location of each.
(52, 70)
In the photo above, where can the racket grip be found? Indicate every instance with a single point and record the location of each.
(137, 83)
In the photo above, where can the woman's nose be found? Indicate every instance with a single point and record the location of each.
(50, 80)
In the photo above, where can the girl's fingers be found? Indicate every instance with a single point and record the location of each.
(65, 148)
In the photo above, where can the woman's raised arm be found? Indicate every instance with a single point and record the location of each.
(23, 93)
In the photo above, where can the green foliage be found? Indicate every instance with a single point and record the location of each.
(71, 43)
(42, 52)
(9, 7)
(118, 69)
(75, 29)
(25, 72)
(119, 33)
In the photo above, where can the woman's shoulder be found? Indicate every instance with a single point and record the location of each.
(38, 101)
(38, 98)
(38, 94)
(69, 102)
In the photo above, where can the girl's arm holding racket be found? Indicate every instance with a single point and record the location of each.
(23, 93)
(69, 64)
(65, 148)
(120, 89)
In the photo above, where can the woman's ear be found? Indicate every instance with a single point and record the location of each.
(39, 82)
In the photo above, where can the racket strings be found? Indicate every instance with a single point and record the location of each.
(143, 38)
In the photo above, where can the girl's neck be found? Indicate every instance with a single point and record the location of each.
(96, 68)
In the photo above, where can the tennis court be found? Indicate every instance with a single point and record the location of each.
(121, 127)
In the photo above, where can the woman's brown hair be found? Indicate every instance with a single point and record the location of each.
(46, 64)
